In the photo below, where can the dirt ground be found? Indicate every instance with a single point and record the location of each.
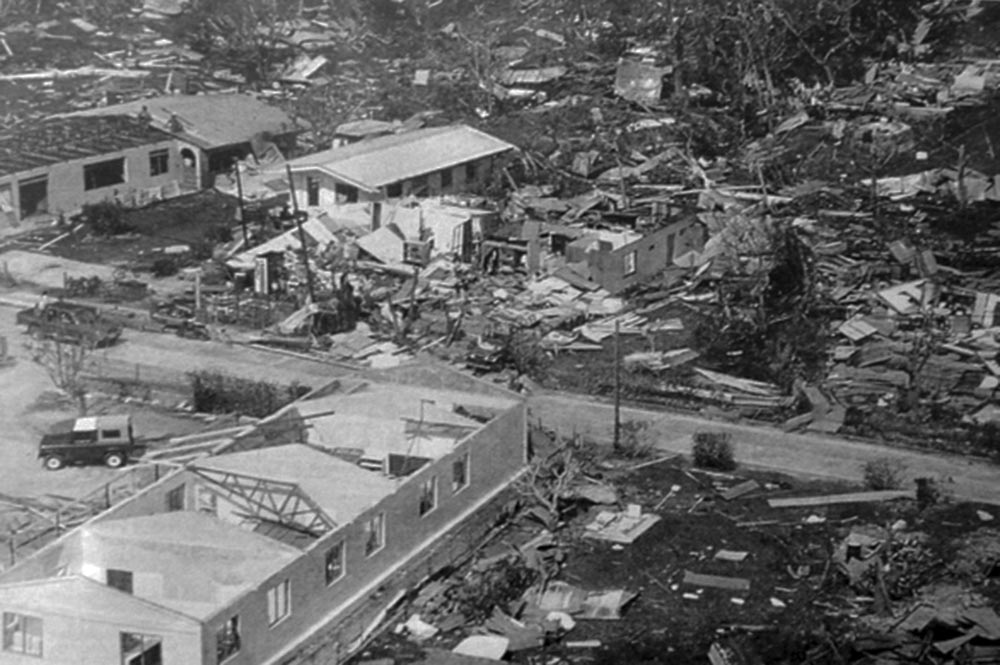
(782, 619)
(31, 406)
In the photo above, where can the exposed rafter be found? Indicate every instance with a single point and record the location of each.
(270, 500)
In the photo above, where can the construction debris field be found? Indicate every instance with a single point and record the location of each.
(788, 598)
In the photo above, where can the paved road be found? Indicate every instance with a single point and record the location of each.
(799, 454)
(765, 447)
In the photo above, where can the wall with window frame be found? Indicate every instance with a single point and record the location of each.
(496, 455)
(67, 192)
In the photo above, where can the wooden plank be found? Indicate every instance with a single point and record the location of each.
(739, 490)
(830, 499)
(716, 581)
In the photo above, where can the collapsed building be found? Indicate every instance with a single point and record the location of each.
(288, 542)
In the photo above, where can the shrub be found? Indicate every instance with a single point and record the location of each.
(215, 392)
(883, 474)
(633, 440)
(218, 233)
(105, 218)
(165, 266)
(714, 450)
(928, 492)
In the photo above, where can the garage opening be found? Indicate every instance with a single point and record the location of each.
(104, 174)
(34, 196)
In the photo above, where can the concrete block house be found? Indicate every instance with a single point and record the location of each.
(287, 543)
(212, 131)
(618, 260)
(55, 167)
(421, 162)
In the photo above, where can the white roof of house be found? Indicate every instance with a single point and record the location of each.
(202, 563)
(385, 160)
(69, 596)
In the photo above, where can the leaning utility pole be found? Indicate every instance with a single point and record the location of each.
(302, 235)
(240, 210)
(618, 387)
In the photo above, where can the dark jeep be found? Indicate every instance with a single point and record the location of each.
(107, 440)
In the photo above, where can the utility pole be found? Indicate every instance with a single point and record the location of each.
(302, 235)
(618, 386)
(239, 210)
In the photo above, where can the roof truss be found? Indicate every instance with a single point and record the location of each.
(270, 500)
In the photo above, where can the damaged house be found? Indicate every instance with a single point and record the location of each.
(55, 167)
(421, 162)
(288, 542)
(617, 259)
(212, 131)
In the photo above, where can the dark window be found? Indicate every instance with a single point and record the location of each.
(33, 194)
(346, 194)
(418, 186)
(471, 172)
(175, 499)
(85, 436)
(141, 649)
(111, 434)
(22, 634)
(227, 639)
(334, 563)
(428, 495)
(395, 190)
(445, 178)
(104, 174)
(159, 162)
(220, 161)
(312, 191)
(460, 473)
(120, 579)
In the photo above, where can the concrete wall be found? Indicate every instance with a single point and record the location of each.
(86, 640)
(66, 193)
(414, 547)
(654, 253)
(497, 454)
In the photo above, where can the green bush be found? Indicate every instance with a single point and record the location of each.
(714, 450)
(105, 218)
(215, 392)
(883, 474)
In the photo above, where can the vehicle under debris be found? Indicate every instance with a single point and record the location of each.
(70, 323)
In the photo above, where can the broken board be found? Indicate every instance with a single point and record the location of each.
(716, 581)
(619, 528)
(830, 499)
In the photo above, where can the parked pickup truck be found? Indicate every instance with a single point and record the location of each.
(107, 440)
(70, 322)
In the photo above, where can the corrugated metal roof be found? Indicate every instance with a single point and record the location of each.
(387, 159)
(208, 121)
(343, 490)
